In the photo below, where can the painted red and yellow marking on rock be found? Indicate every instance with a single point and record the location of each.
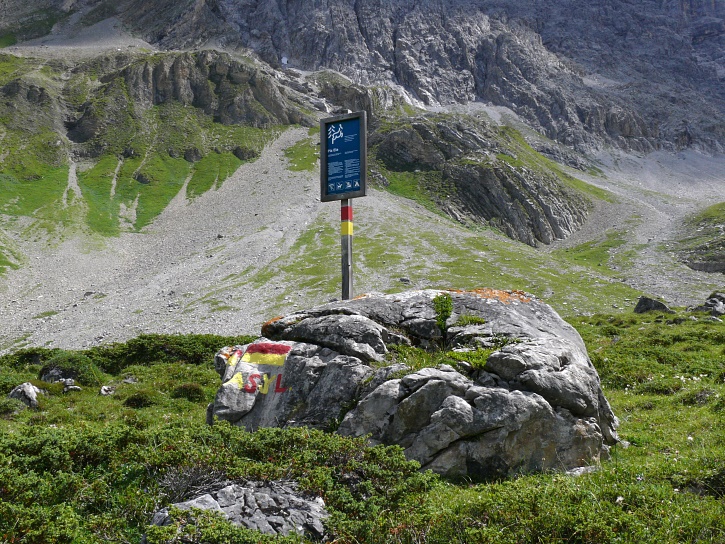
(266, 353)
(234, 358)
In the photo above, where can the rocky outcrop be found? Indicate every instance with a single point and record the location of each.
(272, 508)
(629, 74)
(481, 179)
(26, 393)
(646, 304)
(714, 305)
(229, 91)
(534, 404)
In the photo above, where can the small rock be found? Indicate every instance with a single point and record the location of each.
(646, 304)
(26, 393)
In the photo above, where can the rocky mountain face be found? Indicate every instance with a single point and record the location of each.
(475, 174)
(228, 91)
(640, 76)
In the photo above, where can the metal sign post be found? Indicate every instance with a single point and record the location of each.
(346, 239)
(343, 167)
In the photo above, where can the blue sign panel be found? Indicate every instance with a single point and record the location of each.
(343, 157)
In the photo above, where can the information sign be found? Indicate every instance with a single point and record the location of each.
(343, 157)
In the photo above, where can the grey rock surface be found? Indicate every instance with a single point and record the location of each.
(535, 405)
(646, 304)
(273, 508)
(26, 393)
(530, 206)
(714, 305)
(637, 75)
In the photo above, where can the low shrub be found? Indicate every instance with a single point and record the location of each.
(73, 364)
(10, 406)
(142, 399)
(28, 357)
(147, 349)
(193, 392)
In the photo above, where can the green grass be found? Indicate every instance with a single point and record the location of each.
(303, 156)
(96, 184)
(705, 237)
(152, 142)
(95, 464)
(8, 40)
(425, 188)
(210, 172)
(443, 255)
(527, 157)
(49, 313)
(594, 253)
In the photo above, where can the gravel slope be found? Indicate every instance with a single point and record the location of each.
(167, 279)
(653, 196)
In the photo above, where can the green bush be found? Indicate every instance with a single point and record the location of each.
(443, 305)
(192, 392)
(75, 365)
(142, 399)
(10, 406)
(147, 349)
(24, 358)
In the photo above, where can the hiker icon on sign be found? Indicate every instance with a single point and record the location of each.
(334, 134)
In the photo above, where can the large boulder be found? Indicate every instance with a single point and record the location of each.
(535, 404)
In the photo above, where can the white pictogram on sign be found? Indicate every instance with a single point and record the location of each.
(334, 134)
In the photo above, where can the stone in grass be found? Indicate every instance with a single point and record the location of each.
(714, 305)
(26, 393)
(646, 304)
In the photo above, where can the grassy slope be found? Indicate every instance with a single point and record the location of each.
(705, 241)
(664, 376)
(34, 165)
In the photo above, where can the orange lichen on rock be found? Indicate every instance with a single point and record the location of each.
(503, 296)
(265, 327)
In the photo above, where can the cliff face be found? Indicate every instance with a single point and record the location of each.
(481, 173)
(639, 76)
